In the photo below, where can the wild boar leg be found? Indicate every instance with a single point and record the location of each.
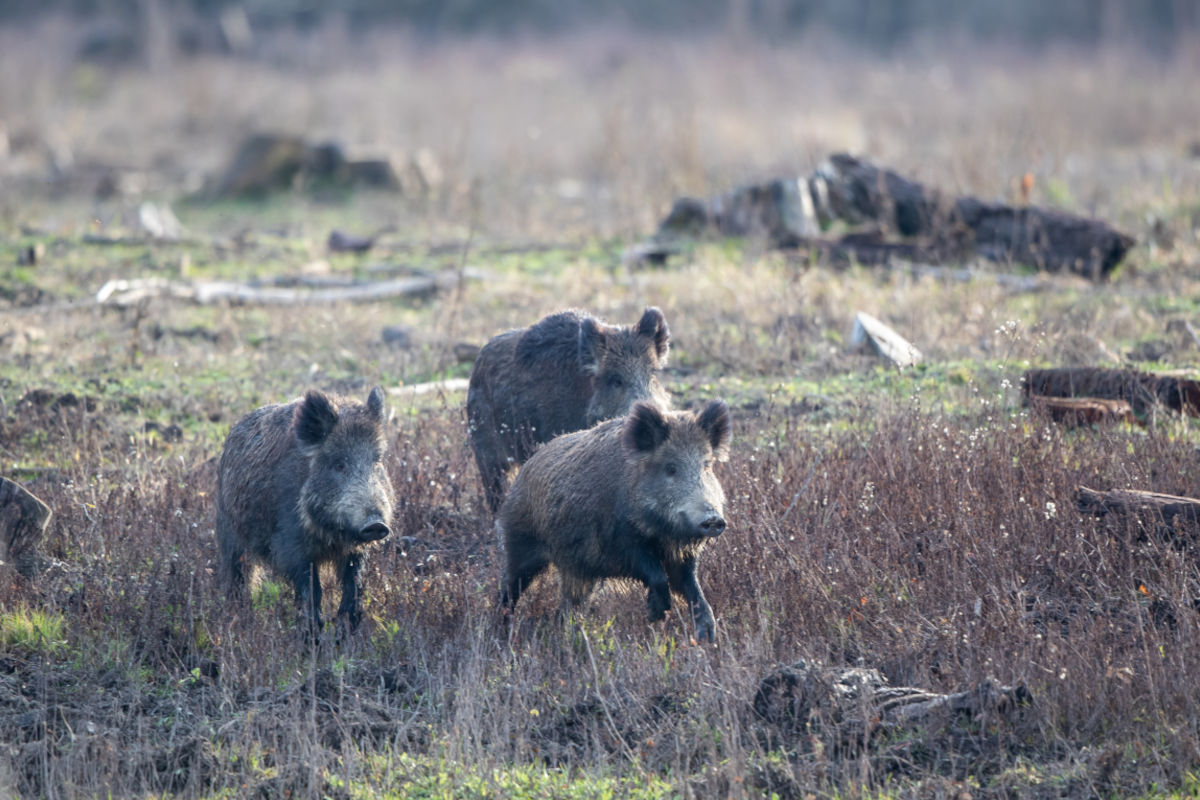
(490, 458)
(495, 483)
(526, 560)
(351, 589)
(307, 581)
(235, 570)
(682, 577)
(649, 570)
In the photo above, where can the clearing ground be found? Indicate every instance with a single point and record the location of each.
(920, 523)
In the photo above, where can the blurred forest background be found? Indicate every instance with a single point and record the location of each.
(879, 24)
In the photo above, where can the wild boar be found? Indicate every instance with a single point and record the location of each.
(630, 498)
(302, 484)
(565, 373)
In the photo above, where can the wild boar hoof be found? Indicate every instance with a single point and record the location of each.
(658, 605)
(706, 629)
(350, 618)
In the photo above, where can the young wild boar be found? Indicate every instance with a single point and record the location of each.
(301, 484)
(564, 374)
(630, 498)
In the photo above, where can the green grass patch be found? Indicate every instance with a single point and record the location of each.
(413, 777)
(33, 632)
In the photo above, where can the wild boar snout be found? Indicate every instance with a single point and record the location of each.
(712, 525)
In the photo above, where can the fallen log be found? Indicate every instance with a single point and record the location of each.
(131, 292)
(1144, 391)
(1166, 508)
(1075, 412)
(23, 521)
(855, 191)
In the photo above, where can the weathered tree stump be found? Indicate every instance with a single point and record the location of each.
(267, 162)
(855, 190)
(932, 226)
(850, 706)
(781, 210)
(23, 521)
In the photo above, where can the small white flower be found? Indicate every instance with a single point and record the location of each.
(1051, 509)
(868, 497)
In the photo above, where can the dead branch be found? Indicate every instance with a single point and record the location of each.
(131, 292)
(887, 344)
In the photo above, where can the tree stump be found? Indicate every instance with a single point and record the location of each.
(850, 706)
(23, 521)
(855, 190)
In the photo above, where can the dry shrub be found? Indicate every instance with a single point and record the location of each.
(942, 552)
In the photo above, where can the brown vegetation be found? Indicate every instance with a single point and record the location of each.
(941, 556)
(916, 523)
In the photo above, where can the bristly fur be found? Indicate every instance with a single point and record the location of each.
(315, 418)
(375, 403)
(631, 498)
(564, 373)
(675, 542)
(714, 419)
(645, 428)
(653, 325)
(299, 485)
(555, 340)
(593, 338)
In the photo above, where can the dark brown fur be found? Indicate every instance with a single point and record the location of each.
(566, 373)
(301, 484)
(630, 498)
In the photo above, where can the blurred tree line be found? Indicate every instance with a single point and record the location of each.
(881, 24)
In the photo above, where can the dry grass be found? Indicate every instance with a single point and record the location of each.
(918, 523)
(941, 551)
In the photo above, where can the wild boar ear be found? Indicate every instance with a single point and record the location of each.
(716, 422)
(591, 345)
(375, 403)
(653, 326)
(645, 428)
(315, 418)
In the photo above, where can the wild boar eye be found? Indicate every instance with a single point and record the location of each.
(615, 381)
(340, 464)
(671, 469)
